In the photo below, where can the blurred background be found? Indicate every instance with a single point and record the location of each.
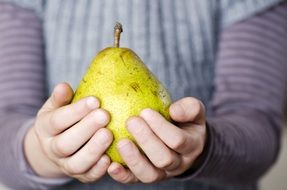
(276, 178)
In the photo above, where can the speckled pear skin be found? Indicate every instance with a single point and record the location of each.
(124, 86)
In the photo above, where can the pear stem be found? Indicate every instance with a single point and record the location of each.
(117, 34)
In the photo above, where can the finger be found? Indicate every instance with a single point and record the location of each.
(75, 137)
(188, 110)
(137, 163)
(61, 95)
(66, 116)
(157, 152)
(87, 156)
(174, 137)
(197, 136)
(96, 172)
(121, 174)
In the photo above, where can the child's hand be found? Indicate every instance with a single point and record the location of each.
(69, 139)
(170, 149)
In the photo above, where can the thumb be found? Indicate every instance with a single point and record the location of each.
(188, 110)
(61, 95)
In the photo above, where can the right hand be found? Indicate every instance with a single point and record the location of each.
(69, 139)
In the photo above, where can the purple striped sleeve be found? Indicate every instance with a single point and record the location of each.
(250, 79)
(246, 111)
(22, 87)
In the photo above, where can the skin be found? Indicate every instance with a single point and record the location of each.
(170, 150)
(71, 140)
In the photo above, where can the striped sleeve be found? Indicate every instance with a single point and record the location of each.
(234, 11)
(22, 87)
(244, 133)
(37, 6)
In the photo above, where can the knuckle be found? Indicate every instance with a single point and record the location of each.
(133, 159)
(141, 133)
(60, 148)
(102, 140)
(72, 169)
(165, 162)
(133, 162)
(178, 143)
(93, 150)
(97, 172)
(144, 137)
(94, 175)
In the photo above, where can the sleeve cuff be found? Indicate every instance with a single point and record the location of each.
(35, 181)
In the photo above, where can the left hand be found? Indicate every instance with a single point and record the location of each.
(170, 150)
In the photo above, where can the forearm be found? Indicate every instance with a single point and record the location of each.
(241, 149)
(244, 132)
(22, 86)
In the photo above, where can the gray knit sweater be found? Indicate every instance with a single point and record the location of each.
(196, 48)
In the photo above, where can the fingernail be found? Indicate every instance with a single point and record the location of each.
(92, 103)
(56, 88)
(135, 125)
(101, 117)
(146, 112)
(104, 160)
(116, 170)
(103, 137)
(131, 122)
(177, 109)
(124, 146)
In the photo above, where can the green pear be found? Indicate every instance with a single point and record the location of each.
(124, 86)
